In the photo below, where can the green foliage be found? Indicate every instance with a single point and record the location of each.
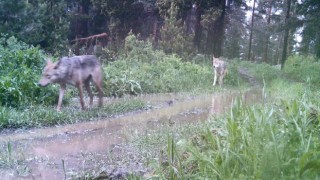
(310, 44)
(144, 70)
(20, 69)
(269, 141)
(233, 78)
(166, 75)
(278, 139)
(140, 51)
(173, 36)
(37, 22)
(12, 14)
(262, 72)
(303, 69)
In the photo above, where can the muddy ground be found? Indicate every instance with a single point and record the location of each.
(53, 153)
(100, 146)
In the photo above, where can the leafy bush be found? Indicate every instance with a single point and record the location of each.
(20, 69)
(166, 75)
(140, 51)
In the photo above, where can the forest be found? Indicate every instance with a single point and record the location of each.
(161, 117)
(269, 32)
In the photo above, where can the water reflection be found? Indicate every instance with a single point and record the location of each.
(222, 102)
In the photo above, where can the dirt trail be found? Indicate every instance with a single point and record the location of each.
(46, 150)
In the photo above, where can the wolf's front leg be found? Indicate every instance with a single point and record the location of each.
(61, 93)
(215, 78)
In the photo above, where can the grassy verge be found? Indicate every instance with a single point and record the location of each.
(47, 116)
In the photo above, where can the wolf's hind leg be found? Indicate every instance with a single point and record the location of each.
(80, 88)
(97, 79)
(87, 86)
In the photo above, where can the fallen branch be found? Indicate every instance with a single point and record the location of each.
(90, 38)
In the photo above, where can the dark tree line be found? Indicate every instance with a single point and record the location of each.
(267, 32)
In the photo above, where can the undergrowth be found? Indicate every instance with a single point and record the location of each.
(20, 69)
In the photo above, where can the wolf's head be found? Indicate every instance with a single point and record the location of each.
(49, 74)
(215, 62)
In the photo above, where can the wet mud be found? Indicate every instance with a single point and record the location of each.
(50, 153)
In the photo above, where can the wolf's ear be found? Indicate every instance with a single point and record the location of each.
(214, 59)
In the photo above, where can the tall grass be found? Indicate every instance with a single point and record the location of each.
(275, 140)
(167, 75)
(278, 141)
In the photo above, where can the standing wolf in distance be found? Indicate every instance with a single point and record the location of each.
(76, 71)
(220, 70)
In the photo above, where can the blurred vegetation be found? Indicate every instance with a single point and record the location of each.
(20, 69)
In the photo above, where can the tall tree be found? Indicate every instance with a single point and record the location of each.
(286, 35)
(173, 37)
(210, 29)
(251, 31)
(12, 16)
(309, 13)
(219, 30)
(79, 12)
(267, 36)
(235, 32)
(36, 22)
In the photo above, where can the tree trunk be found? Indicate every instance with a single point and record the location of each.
(218, 32)
(317, 46)
(286, 35)
(265, 58)
(250, 39)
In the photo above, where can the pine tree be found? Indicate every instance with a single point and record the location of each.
(174, 38)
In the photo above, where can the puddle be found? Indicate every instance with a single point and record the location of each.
(70, 141)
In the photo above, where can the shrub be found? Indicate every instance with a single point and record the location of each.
(140, 51)
(20, 69)
(141, 69)
(166, 75)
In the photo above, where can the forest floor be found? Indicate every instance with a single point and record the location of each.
(102, 146)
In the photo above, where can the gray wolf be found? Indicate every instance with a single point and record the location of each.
(76, 71)
(220, 70)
